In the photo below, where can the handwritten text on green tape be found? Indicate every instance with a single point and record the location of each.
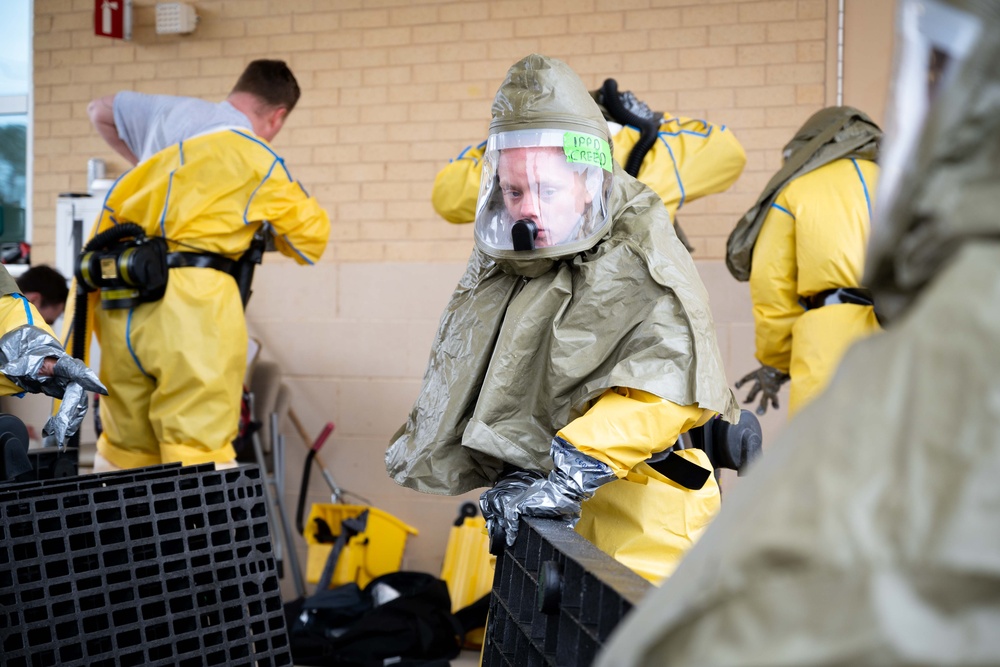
(587, 149)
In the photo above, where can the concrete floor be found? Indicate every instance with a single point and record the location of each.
(466, 659)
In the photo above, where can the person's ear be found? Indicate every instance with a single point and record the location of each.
(34, 298)
(276, 120)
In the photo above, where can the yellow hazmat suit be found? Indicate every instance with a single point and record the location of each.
(813, 240)
(690, 159)
(802, 246)
(603, 340)
(15, 311)
(174, 367)
(32, 360)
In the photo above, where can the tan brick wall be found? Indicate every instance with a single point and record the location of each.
(392, 90)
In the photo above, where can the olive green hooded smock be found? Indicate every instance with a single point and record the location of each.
(524, 346)
(870, 532)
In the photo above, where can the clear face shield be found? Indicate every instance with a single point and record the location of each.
(934, 38)
(544, 193)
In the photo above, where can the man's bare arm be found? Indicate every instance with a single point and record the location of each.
(102, 117)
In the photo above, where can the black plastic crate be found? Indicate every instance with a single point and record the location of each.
(556, 599)
(51, 462)
(166, 565)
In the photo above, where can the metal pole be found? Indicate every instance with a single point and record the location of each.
(258, 453)
(286, 528)
(840, 53)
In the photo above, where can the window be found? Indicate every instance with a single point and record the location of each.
(15, 126)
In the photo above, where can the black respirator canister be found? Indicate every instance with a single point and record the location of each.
(127, 266)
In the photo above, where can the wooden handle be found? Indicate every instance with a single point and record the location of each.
(303, 434)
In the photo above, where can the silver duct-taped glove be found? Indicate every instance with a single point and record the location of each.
(767, 381)
(23, 358)
(494, 501)
(574, 479)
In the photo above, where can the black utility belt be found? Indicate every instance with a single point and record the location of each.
(241, 269)
(201, 260)
(853, 295)
(130, 268)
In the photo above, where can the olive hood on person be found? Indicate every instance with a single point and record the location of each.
(532, 335)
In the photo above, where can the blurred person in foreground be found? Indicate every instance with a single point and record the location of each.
(867, 535)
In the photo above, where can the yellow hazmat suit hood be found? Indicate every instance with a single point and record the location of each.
(518, 357)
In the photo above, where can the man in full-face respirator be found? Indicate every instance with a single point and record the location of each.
(577, 347)
(680, 159)
(866, 536)
(542, 196)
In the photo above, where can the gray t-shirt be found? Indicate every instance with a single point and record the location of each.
(149, 123)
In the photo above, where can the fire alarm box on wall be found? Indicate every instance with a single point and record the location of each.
(113, 18)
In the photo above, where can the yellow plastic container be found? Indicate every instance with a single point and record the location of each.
(468, 568)
(376, 551)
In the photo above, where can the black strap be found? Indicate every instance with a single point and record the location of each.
(854, 295)
(679, 470)
(201, 260)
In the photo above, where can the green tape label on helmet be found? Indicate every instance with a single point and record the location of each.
(588, 149)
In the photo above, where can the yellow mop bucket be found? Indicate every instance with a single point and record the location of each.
(468, 567)
(375, 551)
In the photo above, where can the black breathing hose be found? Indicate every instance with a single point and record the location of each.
(648, 127)
(79, 341)
(79, 322)
(116, 233)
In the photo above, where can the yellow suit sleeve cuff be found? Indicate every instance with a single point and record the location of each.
(626, 426)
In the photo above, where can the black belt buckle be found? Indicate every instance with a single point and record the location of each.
(857, 296)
